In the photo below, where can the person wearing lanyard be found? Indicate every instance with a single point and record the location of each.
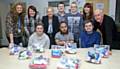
(14, 24)
(51, 24)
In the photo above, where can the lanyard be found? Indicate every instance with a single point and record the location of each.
(19, 24)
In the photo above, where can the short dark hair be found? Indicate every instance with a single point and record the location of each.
(63, 22)
(39, 24)
(61, 3)
(66, 25)
(88, 21)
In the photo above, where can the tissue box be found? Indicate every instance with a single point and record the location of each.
(94, 57)
(26, 54)
(56, 53)
(68, 63)
(40, 62)
(15, 49)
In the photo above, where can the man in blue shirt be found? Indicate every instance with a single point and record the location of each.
(88, 36)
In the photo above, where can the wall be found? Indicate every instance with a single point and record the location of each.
(4, 5)
(112, 5)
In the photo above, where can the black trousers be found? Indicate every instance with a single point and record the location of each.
(52, 40)
(17, 40)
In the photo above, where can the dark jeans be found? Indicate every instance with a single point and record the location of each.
(52, 40)
(17, 40)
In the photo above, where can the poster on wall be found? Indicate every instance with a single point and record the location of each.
(99, 5)
(80, 4)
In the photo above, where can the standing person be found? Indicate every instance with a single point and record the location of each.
(107, 27)
(89, 37)
(31, 19)
(63, 36)
(51, 24)
(61, 12)
(75, 21)
(39, 38)
(88, 12)
(15, 24)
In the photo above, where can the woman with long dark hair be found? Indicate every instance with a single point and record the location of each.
(88, 11)
(31, 19)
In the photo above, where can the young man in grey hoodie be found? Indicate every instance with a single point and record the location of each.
(39, 38)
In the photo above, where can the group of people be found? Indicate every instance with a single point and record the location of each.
(85, 29)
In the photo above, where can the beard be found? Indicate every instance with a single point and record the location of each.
(64, 32)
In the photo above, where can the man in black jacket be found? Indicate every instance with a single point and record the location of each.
(107, 27)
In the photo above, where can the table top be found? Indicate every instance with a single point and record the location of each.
(11, 62)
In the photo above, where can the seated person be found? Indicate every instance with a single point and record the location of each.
(63, 36)
(39, 39)
(88, 36)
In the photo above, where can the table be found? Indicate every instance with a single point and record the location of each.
(12, 62)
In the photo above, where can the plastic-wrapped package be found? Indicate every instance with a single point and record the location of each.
(103, 49)
(14, 49)
(94, 56)
(56, 53)
(39, 62)
(68, 63)
(37, 48)
(71, 48)
(25, 54)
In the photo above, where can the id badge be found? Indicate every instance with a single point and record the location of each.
(19, 30)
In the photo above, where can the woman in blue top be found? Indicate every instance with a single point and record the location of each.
(88, 36)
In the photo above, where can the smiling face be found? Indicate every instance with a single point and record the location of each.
(31, 12)
(87, 10)
(73, 8)
(19, 9)
(98, 15)
(88, 27)
(61, 7)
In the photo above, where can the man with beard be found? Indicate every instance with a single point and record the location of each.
(63, 36)
(39, 38)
